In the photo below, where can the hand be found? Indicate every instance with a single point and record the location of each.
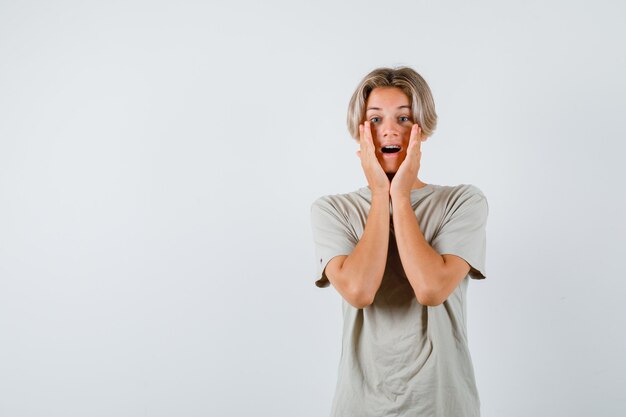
(407, 172)
(376, 176)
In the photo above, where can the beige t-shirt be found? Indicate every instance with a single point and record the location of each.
(399, 357)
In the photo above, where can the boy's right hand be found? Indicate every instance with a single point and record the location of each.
(376, 176)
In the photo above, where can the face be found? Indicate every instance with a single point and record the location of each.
(388, 110)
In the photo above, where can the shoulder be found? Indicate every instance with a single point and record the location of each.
(460, 190)
(340, 202)
(459, 193)
(462, 196)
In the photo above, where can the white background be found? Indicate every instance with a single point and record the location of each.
(157, 165)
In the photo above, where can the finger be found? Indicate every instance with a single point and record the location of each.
(414, 133)
(418, 139)
(418, 135)
(369, 140)
(368, 134)
(361, 139)
(411, 151)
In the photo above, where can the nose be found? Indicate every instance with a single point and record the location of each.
(390, 128)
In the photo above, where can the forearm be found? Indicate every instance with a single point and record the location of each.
(363, 269)
(422, 264)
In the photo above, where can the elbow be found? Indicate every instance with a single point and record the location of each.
(430, 294)
(429, 298)
(356, 304)
(357, 294)
(358, 298)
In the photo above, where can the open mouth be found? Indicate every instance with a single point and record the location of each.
(390, 149)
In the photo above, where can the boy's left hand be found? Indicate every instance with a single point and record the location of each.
(404, 179)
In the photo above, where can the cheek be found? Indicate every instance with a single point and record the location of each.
(406, 135)
(376, 134)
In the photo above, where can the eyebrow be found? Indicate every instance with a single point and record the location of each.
(378, 108)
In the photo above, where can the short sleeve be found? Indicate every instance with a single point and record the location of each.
(332, 235)
(463, 229)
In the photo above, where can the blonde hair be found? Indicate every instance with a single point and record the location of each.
(406, 79)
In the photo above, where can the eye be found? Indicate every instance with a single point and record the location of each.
(404, 118)
(375, 119)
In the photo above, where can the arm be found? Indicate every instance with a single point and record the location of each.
(358, 276)
(432, 276)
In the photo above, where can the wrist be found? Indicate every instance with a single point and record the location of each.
(401, 199)
(399, 193)
(382, 196)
